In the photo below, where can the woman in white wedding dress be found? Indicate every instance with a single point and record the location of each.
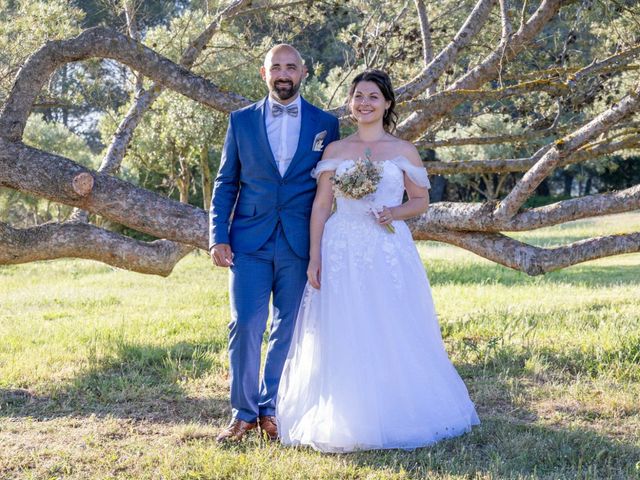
(367, 368)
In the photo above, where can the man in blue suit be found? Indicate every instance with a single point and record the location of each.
(259, 227)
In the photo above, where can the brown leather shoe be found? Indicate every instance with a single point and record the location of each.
(269, 427)
(235, 431)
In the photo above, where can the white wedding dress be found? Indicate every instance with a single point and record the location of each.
(367, 368)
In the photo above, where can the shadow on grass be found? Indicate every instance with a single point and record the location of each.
(443, 272)
(140, 382)
(143, 382)
(500, 448)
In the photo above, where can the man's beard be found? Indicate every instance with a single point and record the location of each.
(285, 90)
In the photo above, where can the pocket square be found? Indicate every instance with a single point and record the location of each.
(318, 141)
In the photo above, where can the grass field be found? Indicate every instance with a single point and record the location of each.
(111, 374)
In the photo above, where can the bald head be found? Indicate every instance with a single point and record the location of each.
(282, 48)
(283, 71)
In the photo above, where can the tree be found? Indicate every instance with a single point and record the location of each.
(535, 65)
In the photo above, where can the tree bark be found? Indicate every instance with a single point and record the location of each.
(530, 181)
(104, 43)
(417, 123)
(81, 240)
(207, 178)
(51, 176)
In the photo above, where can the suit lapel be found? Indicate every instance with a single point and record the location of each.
(307, 131)
(262, 137)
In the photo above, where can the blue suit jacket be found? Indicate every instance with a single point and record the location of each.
(250, 196)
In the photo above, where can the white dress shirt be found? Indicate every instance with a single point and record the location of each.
(283, 133)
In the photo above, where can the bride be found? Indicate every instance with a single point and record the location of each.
(367, 368)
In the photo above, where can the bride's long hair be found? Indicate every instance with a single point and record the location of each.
(382, 80)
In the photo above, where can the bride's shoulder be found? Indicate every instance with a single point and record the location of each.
(337, 148)
(409, 151)
(331, 149)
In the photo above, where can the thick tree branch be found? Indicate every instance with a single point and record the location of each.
(430, 75)
(478, 217)
(104, 43)
(81, 240)
(523, 164)
(418, 122)
(51, 176)
(575, 209)
(534, 260)
(563, 147)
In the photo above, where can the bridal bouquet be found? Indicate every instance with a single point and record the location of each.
(359, 181)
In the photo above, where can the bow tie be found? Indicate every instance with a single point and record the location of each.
(277, 110)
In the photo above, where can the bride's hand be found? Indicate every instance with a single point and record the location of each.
(313, 273)
(385, 216)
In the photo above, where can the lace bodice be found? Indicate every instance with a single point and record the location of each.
(390, 189)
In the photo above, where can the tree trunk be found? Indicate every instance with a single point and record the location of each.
(207, 181)
(438, 188)
(543, 189)
(587, 186)
(568, 183)
(184, 179)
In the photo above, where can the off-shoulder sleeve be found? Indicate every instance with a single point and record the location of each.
(325, 166)
(417, 175)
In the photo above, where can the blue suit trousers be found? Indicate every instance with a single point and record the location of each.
(272, 271)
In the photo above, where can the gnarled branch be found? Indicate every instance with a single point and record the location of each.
(523, 164)
(415, 124)
(81, 240)
(51, 176)
(479, 217)
(104, 43)
(570, 143)
(534, 260)
(432, 72)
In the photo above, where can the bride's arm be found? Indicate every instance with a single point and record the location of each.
(320, 212)
(418, 201)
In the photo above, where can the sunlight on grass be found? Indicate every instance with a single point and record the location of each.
(111, 374)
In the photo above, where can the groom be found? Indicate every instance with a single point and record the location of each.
(259, 227)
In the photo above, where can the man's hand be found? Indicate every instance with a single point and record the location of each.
(221, 255)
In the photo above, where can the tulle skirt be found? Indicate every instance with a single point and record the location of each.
(367, 368)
